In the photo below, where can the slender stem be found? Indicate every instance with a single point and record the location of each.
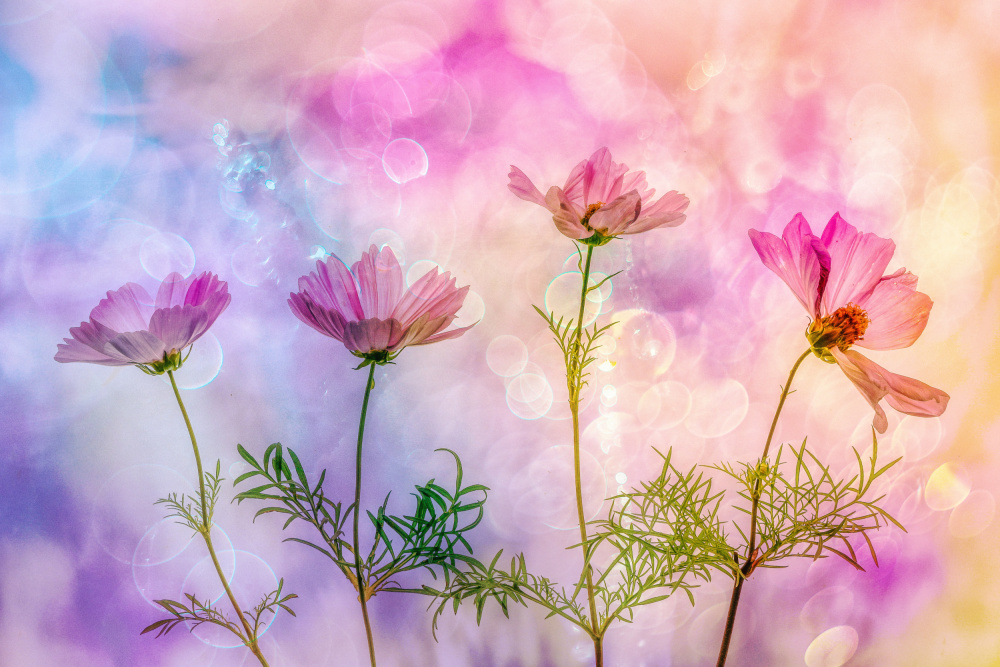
(574, 380)
(748, 566)
(250, 639)
(362, 584)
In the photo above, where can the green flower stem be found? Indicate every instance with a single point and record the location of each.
(747, 567)
(249, 639)
(574, 382)
(362, 584)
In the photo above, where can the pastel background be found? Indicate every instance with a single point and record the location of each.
(250, 138)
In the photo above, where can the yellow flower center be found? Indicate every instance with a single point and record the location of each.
(591, 210)
(841, 329)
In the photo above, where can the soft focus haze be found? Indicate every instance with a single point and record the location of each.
(252, 138)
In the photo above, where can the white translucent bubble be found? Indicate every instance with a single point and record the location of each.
(973, 515)
(506, 355)
(319, 154)
(648, 337)
(250, 579)
(831, 606)
(118, 527)
(472, 311)
(717, 407)
(705, 630)
(250, 263)
(165, 556)
(664, 405)
(386, 237)
(164, 253)
(419, 269)
(947, 487)
(202, 365)
(621, 478)
(562, 299)
(663, 616)
(546, 487)
(878, 193)
(762, 176)
(916, 437)
(404, 160)
(529, 395)
(878, 113)
(832, 648)
(609, 395)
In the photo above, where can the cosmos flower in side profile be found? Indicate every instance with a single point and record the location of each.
(370, 309)
(128, 327)
(602, 200)
(838, 278)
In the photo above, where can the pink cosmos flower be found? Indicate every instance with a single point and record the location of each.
(839, 279)
(128, 327)
(371, 311)
(602, 200)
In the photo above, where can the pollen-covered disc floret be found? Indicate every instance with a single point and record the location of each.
(841, 329)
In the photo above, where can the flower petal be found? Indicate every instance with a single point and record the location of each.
(566, 214)
(897, 312)
(602, 178)
(433, 294)
(444, 335)
(522, 186)
(380, 280)
(615, 217)
(909, 396)
(793, 258)
(857, 262)
(667, 211)
(372, 335)
(326, 321)
(333, 287)
(87, 345)
(174, 288)
(179, 326)
(138, 347)
(205, 289)
(125, 309)
(573, 187)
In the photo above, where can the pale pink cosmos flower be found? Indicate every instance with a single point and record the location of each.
(370, 309)
(839, 279)
(128, 327)
(602, 200)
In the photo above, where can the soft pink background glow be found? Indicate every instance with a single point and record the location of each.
(250, 138)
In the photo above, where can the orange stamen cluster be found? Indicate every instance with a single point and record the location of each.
(591, 210)
(852, 322)
(842, 328)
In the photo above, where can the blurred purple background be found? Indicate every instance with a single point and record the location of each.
(251, 138)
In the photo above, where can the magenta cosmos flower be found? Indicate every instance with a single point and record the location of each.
(128, 327)
(371, 311)
(602, 200)
(838, 278)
